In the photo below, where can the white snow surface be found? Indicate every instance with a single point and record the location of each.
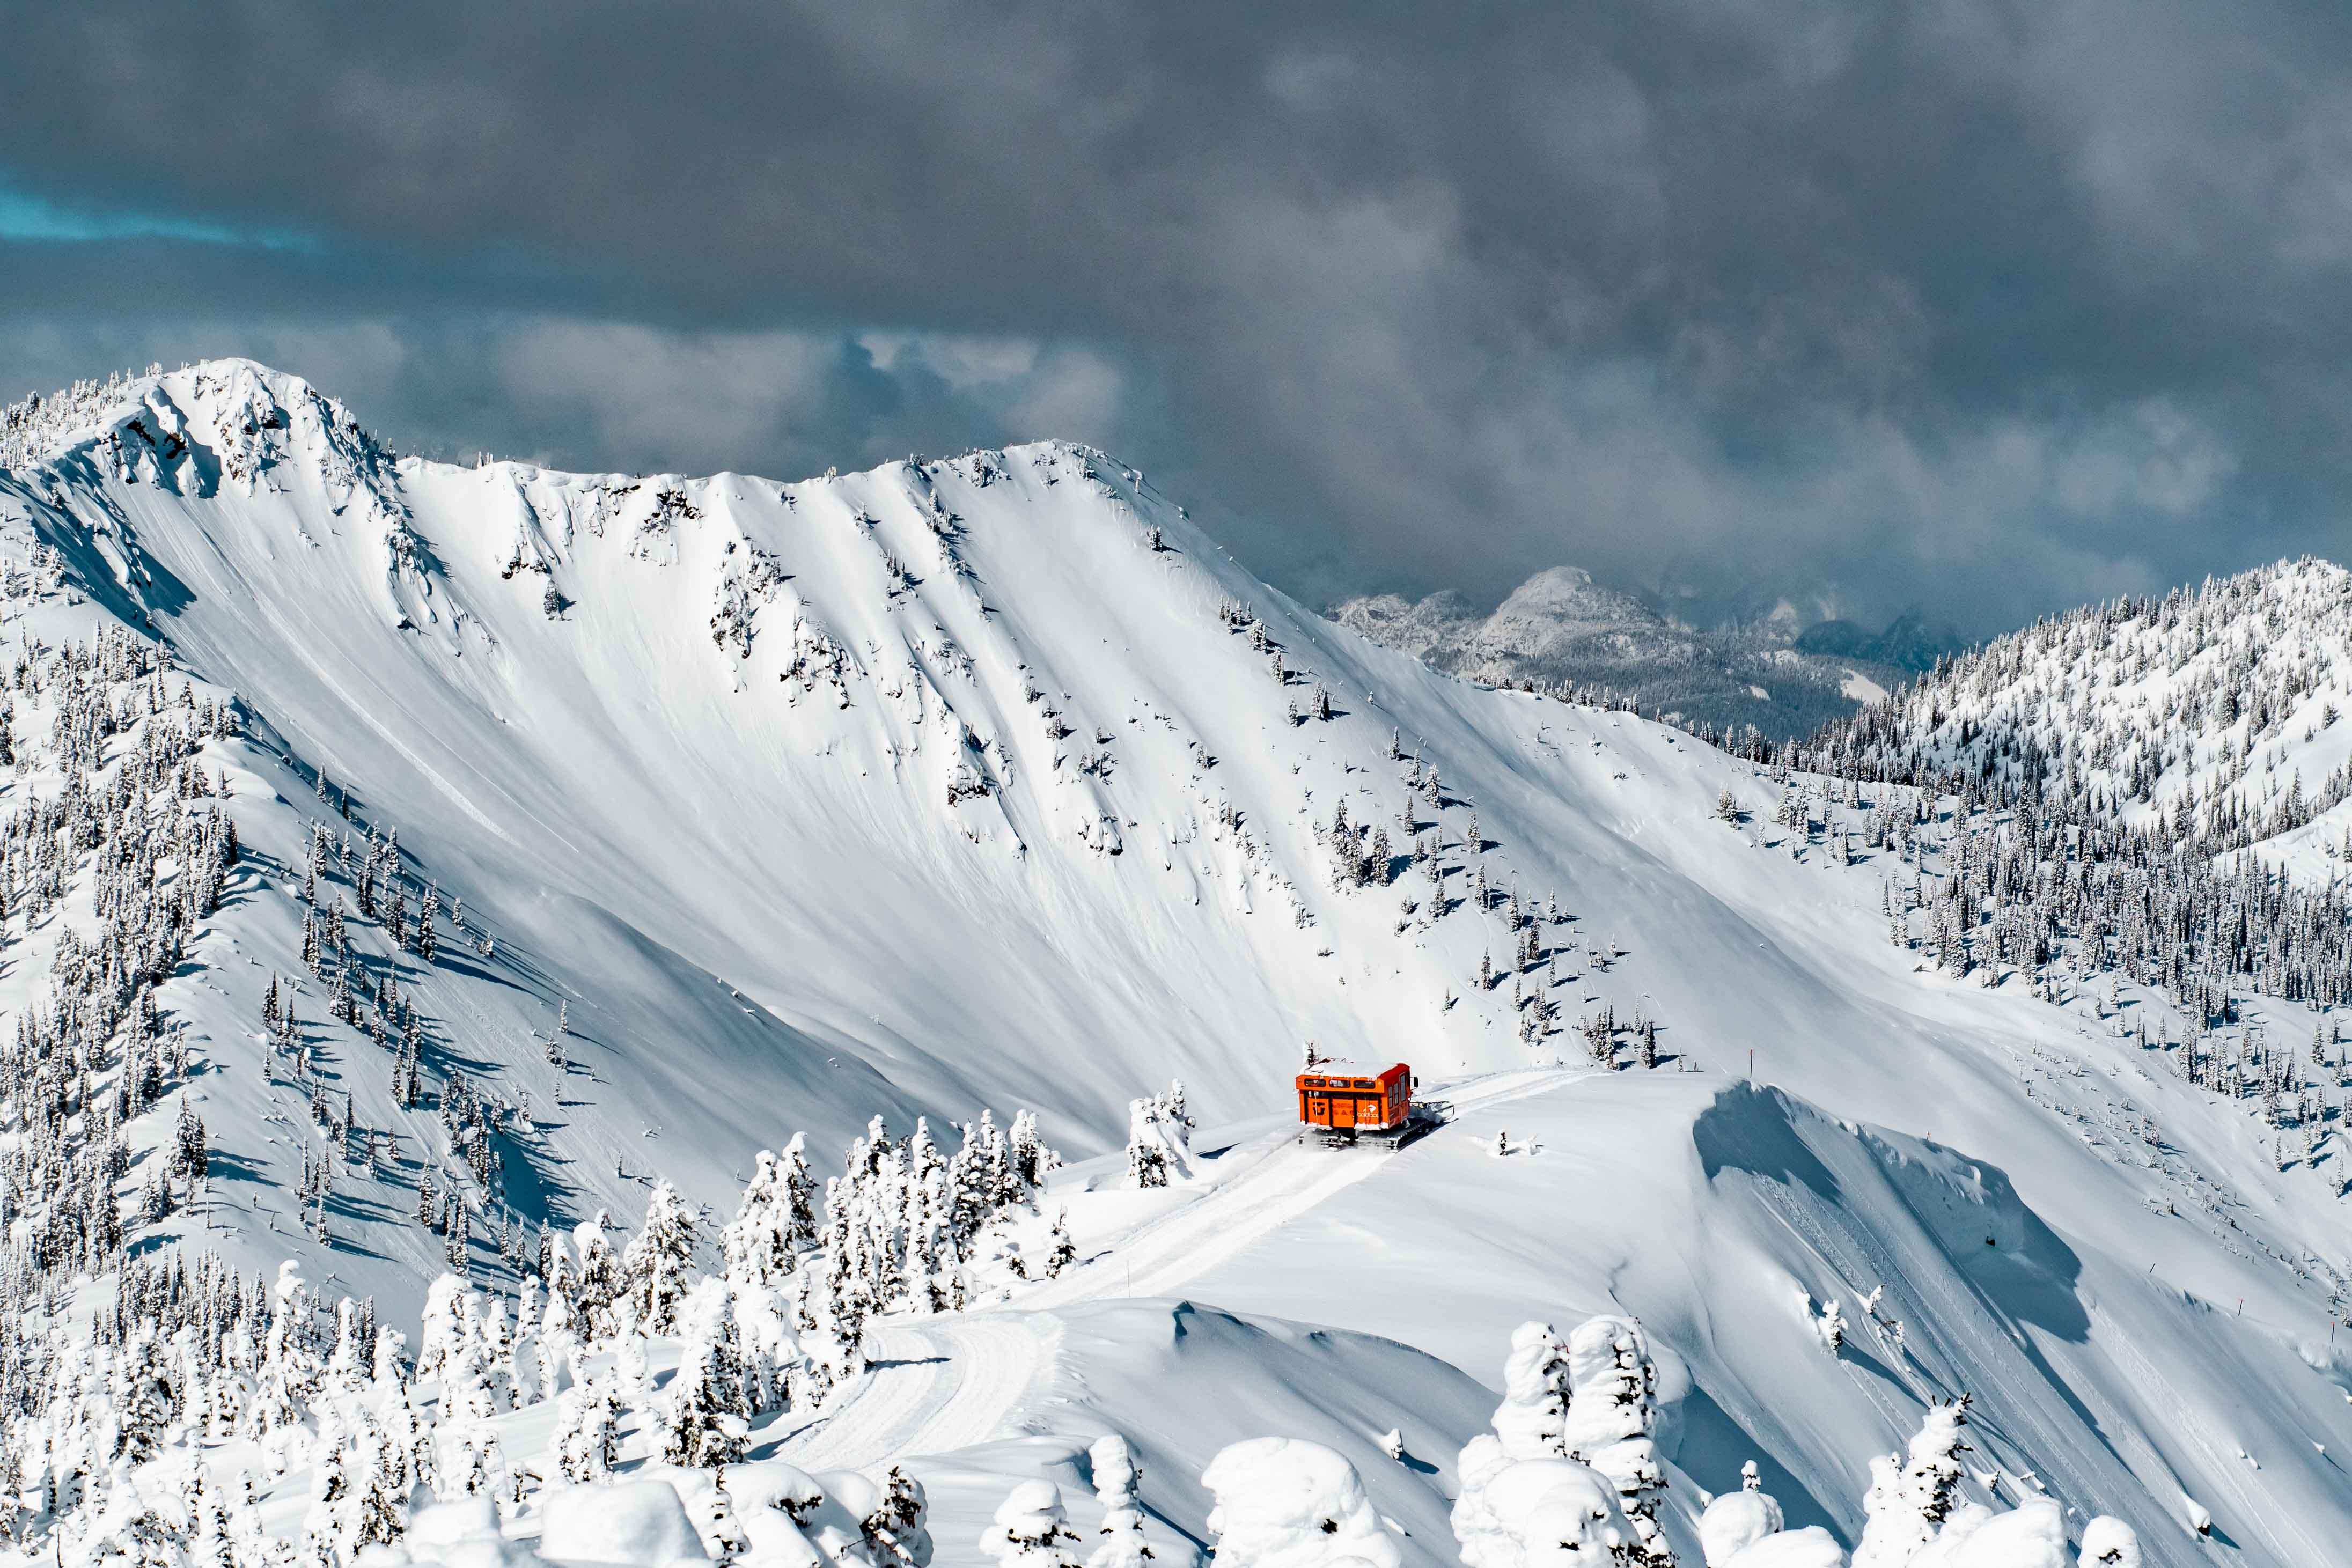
(766, 807)
(1862, 688)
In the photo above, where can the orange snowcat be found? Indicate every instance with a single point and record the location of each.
(1346, 1102)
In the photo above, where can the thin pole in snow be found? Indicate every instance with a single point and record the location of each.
(1751, 1064)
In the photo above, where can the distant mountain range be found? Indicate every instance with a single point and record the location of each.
(1909, 643)
(1560, 627)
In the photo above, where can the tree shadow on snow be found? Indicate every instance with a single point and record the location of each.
(222, 1165)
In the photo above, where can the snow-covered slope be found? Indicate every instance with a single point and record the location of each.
(991, 781)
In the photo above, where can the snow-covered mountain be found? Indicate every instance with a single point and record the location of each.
(745, 808)
(2210, 715)
(1909, 642)
(1561, 629)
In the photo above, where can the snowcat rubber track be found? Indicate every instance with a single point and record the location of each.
(1387, 1140)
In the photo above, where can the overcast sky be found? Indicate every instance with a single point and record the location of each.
(1990, 308)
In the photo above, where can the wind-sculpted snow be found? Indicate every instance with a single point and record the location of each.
(593, 832)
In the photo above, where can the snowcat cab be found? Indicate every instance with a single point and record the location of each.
(1347, 1101)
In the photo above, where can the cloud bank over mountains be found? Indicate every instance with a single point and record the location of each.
(2030, 304)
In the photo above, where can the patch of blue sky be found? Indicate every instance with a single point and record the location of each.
(29, 219)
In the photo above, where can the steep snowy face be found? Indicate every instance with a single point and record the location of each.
(981, 764)
(2212, 714)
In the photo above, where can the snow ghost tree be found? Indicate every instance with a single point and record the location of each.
(1532, 1420)
(2030, 1535)
(379, 1507)
(1581, 1413)
(701, 1414)
(1830, 1326)
(1615, 1385)
(1030, 1529)
(1912, 1494)
(596, 1285)
(1611, 1417)
(1542, 1512)
(893, 1525)
(1283, 1502)
(853, 1520)
(1028, 1161)
(1159, 1138)
(2110, 1543)
(757, 1245)
(587, 1434)
(1147, 1158)
(1116, 1476)
(447, 1328)
(1738, 1520)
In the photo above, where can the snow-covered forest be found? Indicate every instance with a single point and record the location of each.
(629, 1017)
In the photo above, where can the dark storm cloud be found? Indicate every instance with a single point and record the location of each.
(1987, 307)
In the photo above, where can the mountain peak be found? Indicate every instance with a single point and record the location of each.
(1563, 629)
(1564, 601)
(41, 428)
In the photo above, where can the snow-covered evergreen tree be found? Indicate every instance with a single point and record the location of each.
(1738, 1520)
(1147, 1152)
(587, 1442)
(699, 1424)
(1030, 1529)
(1285, 1502)
(597, 1282)
(2109, 1543)
(658, 1259)
(1116, 1476)
(894, 1529)
(1912, 1492)
(449, 1328)
(757, 1244)
(1532, 1420)
(1612, 1414)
